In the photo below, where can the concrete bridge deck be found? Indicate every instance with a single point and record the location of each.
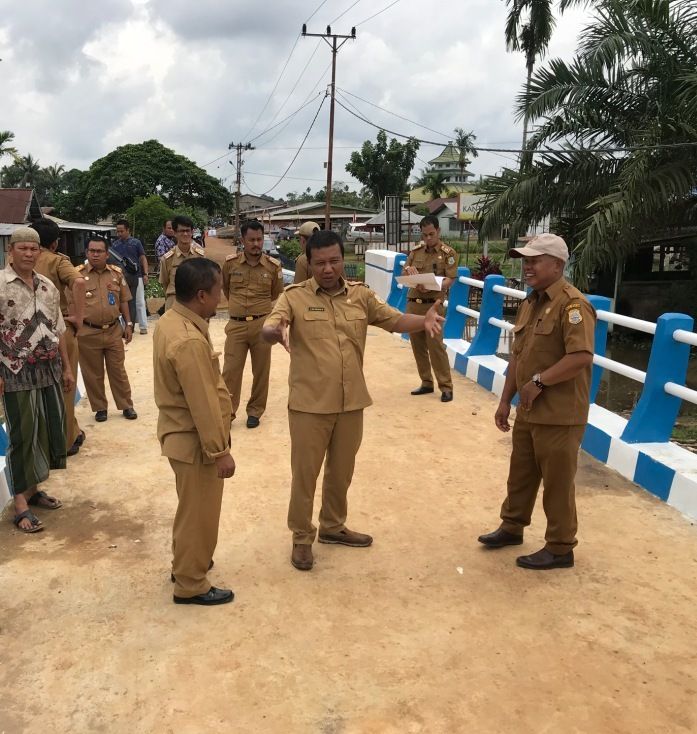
(424, 633)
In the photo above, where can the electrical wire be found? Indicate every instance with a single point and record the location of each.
(628, 149)
(338, 17)
(295, 157)
(375, 15)
(315, 11)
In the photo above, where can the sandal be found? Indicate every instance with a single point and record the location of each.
(36, 525)
(41, 499)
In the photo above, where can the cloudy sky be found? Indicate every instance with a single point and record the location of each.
(79, 78)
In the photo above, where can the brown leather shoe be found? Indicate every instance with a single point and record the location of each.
(499, 539)
(302, 557)
(347, 537)
(543, 560)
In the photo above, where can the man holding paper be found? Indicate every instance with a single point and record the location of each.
(433, 258)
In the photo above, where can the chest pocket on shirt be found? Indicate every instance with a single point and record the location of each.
(546, 336)
(260, 282)
(419, 263)
(357, 322)
(317, 325)
(518, 339)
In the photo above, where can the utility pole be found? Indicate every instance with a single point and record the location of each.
(334, 46)
(239, 147)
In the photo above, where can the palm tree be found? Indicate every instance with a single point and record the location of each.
(529, 27)
(632, 87)
(435, 184)
(6, 137)
(53, 176)
(464, 142)
(29, 168)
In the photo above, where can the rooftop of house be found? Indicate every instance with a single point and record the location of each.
(18, 206)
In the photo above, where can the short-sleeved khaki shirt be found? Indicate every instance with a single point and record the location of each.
(327, 340)
(251, 289)
(302, 269)
(104, 293)
(441, 260)
(171, 260)
(549, 325)
(60, 271)
(195, 409)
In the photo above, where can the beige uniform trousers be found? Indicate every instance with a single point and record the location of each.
(98, 347)
(312, 437)
(195, 530)
(548, 454)
(72, 429)
(243, 337)
(430, 352)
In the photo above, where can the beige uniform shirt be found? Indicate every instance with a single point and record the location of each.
(171, 260)
(549, 325)
(302, 269)
(441, 260)
(98, 308)
(251, 289)
(60, 271)
(327, 339)
(195, 410)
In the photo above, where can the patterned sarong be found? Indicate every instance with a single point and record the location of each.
(35, 424)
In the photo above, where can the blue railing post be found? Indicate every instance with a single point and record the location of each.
(486, 340)
(454, 326)
(654, 416)
(599, 303)
(398, 296)
(3, 441)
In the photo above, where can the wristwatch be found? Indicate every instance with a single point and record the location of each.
(129, 323)
(537, 381)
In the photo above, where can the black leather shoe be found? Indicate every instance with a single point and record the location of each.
(210, 565)
(80, 438)
(100, 416)
(499, 539)
(73, 449)
(252, 421)
(213, 596)
(422, 390)
(130, 414)
(446, 397)
(543, 560)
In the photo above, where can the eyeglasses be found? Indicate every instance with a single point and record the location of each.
(96, 252)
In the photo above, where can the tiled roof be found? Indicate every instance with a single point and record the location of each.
(14, 205)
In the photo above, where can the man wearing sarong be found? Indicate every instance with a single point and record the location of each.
(34, 372)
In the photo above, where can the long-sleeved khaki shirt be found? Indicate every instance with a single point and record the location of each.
(194, 404)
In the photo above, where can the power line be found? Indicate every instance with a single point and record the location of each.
(628, 149)
(295, 157)
(269, 129)
(375, 15)
(338, 17)
(315, 11)
(389, 112)
(275, 87)
(292, 178)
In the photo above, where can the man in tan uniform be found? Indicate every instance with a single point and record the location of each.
(429, 351)
(61, 272)
(323, 322)
(550, 369)
(193, 427)
(101, 339)
(302, 269)
(184, 249)
(252, 281)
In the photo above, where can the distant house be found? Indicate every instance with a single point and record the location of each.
(448, 164)
(294, 216)
(250, 201)
(20, 207)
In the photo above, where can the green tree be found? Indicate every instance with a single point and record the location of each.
(435, 185)
(293, 198)
(69, 199)
(137, 171)
(6, 138)
(146, 217)
(384, 169)
(631, 86)
(464, 142)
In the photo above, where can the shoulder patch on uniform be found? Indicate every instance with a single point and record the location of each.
(231, 257)
(274, 260)
(451, 260)
(199, 250)
(169, 253)
(572, 305)
(115, 268)
(80, 267)
(358, 283)
(575, 316)
(295, 285)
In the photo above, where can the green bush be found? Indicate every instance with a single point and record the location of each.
(154, 289)
(290, 248)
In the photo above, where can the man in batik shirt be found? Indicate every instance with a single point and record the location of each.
(34, 371)
(166, 241)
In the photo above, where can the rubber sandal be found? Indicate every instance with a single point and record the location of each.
(41, 499)
(36, 525)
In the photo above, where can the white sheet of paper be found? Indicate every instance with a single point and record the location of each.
(430, 281)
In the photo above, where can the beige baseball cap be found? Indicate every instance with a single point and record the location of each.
(543, 244)
(25, 234)
(307, 229)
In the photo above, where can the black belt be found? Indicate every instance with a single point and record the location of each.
(422, 300)
(103, 327)
(248, 318)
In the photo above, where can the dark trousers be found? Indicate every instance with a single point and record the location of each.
(132, 282)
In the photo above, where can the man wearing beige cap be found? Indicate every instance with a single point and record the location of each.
(302, 269)
(550, 369)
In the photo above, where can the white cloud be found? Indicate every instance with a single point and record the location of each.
(87, 77)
